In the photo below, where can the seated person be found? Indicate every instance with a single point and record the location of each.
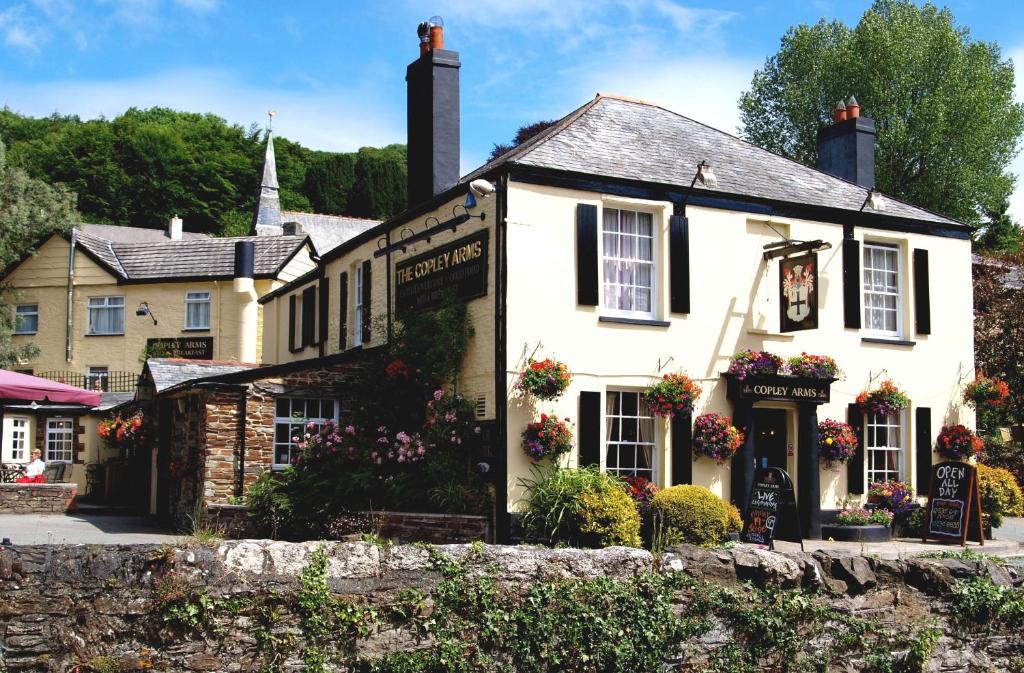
(34, 470)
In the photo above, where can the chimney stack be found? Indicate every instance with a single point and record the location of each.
(846, 149)
(174, 228)
(432, 115)
(246, 305)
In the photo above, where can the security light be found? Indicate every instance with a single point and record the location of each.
(706, 175)
(143, 310)
(875, 200)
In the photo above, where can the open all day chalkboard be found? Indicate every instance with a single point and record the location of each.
(771, 512)
(952, 494)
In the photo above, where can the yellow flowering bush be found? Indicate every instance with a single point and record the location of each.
(612, 516)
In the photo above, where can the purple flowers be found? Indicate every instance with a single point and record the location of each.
(753, 363)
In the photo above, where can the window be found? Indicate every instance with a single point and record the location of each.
(98, 378)
(882, 305)
(26, 319)
(197, 310)
(629, 435)
(106, 315)
(19, 439)
(357, 315)
(60, 440)
(291, 418)
(884, 447)
(628, 257)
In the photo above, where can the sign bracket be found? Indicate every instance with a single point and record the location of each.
(791, 247)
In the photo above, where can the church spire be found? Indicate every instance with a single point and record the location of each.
(268, 208)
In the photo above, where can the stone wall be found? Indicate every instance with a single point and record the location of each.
(37, 498)
(62, 607)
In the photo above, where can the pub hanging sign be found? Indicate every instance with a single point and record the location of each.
(798, 286)
(458, 269)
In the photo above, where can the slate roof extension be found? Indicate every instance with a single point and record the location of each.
(328, 231)
(169, 372)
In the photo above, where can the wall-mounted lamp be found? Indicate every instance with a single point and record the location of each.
(875, 200)
(144, 309)
(478, 189)
(706, 175)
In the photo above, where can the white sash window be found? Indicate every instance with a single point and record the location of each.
(197, 310)
(884, 447)
(60, 440)
(629, 435)
(292, 419)
(882, 303)
(628, 259)
(106, 315)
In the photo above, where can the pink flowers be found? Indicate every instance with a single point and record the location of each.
(716, 437)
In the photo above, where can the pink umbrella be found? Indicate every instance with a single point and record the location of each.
(15, 386)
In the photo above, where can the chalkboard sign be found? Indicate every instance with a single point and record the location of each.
(952, 494)
(772, 511)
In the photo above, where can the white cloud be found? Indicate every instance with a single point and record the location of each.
(322, 121)
(199, 6)
(22, 31)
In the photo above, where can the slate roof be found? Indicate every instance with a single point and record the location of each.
(112, 232)
(169, 372)
(622, 138)
(328, 231)
(187, 258)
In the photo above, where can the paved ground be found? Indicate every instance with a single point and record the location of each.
(79, 529)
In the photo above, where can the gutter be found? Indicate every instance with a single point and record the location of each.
(68, 351)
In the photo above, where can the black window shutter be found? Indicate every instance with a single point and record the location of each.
(679, 264)
(308, 317)
(366, 301)
(923, 433)
(324, 312)
(852, 283)
(291, 323)
(682, 450)
(855, 468)
(343, 310)
(922, 293)
(586, 254)
(590, 428)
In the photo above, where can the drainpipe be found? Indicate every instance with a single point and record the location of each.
(68, 353)
(245, 291)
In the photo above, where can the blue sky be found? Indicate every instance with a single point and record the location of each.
(334, 71)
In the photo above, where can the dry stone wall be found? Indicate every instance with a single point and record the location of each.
(224, 608)
(37, 498)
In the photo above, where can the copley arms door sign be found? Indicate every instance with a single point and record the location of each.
(798, 287)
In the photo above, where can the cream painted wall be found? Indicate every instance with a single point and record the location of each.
(733, 306)
(477, 377)
(42, 279)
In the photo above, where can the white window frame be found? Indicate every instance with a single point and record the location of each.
(19, 313)
(192, 300)
(105, 306)
(19, 439)
(621, 445)
(100, 372)
(897, 253)
(296, 425)
(357, 307)
(62, 435)
(656, 267)
(872, 446)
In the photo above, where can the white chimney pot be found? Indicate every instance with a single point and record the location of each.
(174, 229)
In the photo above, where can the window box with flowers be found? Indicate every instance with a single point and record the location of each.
(544, 379)
(674, 395)
(715, 437)
(754, 363)
(813, 367)
(958, 442)
(549, 437)
(837, 442)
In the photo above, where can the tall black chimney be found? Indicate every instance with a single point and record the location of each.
(846, 149)
(433, 115)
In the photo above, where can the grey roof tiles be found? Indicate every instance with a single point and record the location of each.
(328, 231)
(169, 372)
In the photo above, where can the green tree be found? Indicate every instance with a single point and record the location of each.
(522, 135)
(329, 181)
(379, 190)
(948, 125)
(999, 329)
(1000, 234)
(30, 210)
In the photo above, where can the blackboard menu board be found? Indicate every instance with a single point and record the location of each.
(952, 494)
(771, 512)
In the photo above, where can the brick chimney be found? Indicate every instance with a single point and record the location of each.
(846, 149)
(433, 115)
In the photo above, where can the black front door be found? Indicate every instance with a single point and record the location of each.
(770, 438)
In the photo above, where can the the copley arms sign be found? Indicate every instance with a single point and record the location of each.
(458, 269)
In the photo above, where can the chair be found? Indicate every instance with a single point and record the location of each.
(53, 472)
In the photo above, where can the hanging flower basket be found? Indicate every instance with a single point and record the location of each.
(885, 400)
(125, 433)
(986, 391)
(958, 442)
(754, 363)
(837, 442)
(544, 379)
(813, 367)
(673, 395)
(715, 437)
(548, 437)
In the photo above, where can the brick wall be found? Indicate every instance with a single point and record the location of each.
(37, 498)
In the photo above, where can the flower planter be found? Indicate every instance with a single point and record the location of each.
(869, 533)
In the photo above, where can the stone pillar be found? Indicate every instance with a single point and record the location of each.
(743, 462)
(809, 497)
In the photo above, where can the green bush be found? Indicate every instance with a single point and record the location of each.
(735, 524)
(998, 453)
(555, 510)
(693, 514)
(1000, 494)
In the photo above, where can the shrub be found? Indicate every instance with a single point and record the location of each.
(998, 453)
(611, 517)
(693, 514)
(735, 524)
(556, 504)
(1000, 494)
(545, 379)
(673, 395)
(269, 505)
